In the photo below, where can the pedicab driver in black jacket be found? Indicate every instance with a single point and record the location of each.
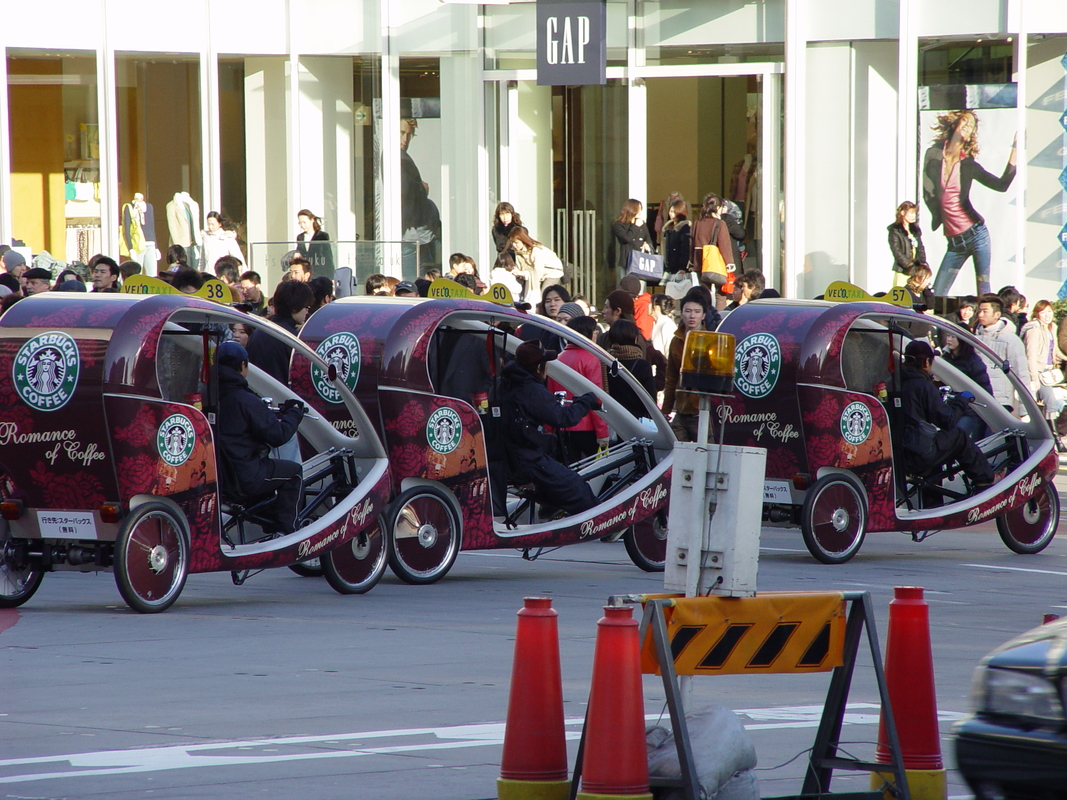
(923, 403)
(526, 406)
(248, 428)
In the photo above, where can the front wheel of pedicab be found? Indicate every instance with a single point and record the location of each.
(424, 533)
(1029, 528)
(18, 578)
(357, 565)
(646, 543)
(151, 558)
(833, 520)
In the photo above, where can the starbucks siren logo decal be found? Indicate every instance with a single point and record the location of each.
(757, 362)
(444, 430)
(175, 439)
(46, 370)
(856, 423)
(342, 351)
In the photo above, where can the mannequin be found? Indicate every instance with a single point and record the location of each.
(139, 233)
(183, 219)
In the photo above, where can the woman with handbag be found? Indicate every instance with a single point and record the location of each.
(629, 233)
(711, 241)
(1045, 361)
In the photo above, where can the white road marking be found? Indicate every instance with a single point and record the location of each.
(1016, 569)
(781, 549)
(186, 756)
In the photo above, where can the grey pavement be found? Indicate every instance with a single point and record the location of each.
(282, 688)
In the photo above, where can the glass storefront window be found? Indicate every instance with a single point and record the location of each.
(160, 160)
(55, 152)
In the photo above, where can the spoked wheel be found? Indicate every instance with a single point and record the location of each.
(1030, 527)
(834, 519)
(646, 543)
(312, 568)
(357, 565)
(151, 558)
(424, 532)
(18, 579)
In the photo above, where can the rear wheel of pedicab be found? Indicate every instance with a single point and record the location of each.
(646, 543)
(424, 535)
(357, 565)
(151, 558)
(1030, 527)
(834, 519)
(18, 579)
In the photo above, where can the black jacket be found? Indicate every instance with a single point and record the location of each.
(676, 245)
(620, 390)
(271, 354)
(970, 170)
(627, 237)
(318, 252)
(922, 401)
(501, 234)
(972, 366)
(901, 247)
(527, 400)
(247, 428)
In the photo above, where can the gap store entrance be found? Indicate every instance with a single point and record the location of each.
(568, 157)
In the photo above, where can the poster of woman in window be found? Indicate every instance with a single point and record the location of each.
(967, 170)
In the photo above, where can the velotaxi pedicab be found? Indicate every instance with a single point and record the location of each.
(427, 372)
(108, 459)
(817, 383)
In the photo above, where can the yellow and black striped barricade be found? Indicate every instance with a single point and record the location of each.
(771, 633)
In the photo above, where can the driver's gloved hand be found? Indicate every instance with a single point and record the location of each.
(590, 400)
(293, 403)
(966, 397)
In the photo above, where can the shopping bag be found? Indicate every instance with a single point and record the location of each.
(646, 266)
(712, 260)
(679, 284)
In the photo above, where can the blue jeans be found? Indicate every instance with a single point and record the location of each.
(972, 243)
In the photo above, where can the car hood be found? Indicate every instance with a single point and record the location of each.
(1042, 649)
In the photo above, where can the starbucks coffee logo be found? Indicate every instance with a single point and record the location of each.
(175, 439)
(342, 351)
(444, 430)
(856, 423)
(757, 362)
(46, 370)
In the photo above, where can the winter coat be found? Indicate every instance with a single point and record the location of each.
(904, 257)
(247, 428)
(675, 399)
(1001, 339)
(271, 354)
(588, 366)
(629, 356)
(675, 247)
(318, 252)
(628, 237)
(1040, 345)
(972, 366)
(710, 230)
(218, 244)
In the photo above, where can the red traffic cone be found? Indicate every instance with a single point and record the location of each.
(909, 676)
(534, 762)
(615, 763)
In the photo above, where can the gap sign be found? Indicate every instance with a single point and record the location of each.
(571, 42)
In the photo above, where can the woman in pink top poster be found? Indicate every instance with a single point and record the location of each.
(949, 169)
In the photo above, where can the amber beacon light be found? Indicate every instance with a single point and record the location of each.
(708, 363)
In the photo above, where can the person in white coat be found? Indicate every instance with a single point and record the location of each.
(219, 242)
(537, 263)
(999, 336)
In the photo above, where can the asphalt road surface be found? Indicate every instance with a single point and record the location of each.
(282, 688)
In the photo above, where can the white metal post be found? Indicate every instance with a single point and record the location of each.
(1017, 20)
(908, 103)
(795, 145)
(107, 110)
(5, 146)
(210, 148)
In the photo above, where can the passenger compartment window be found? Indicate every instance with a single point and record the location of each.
(178, 363)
